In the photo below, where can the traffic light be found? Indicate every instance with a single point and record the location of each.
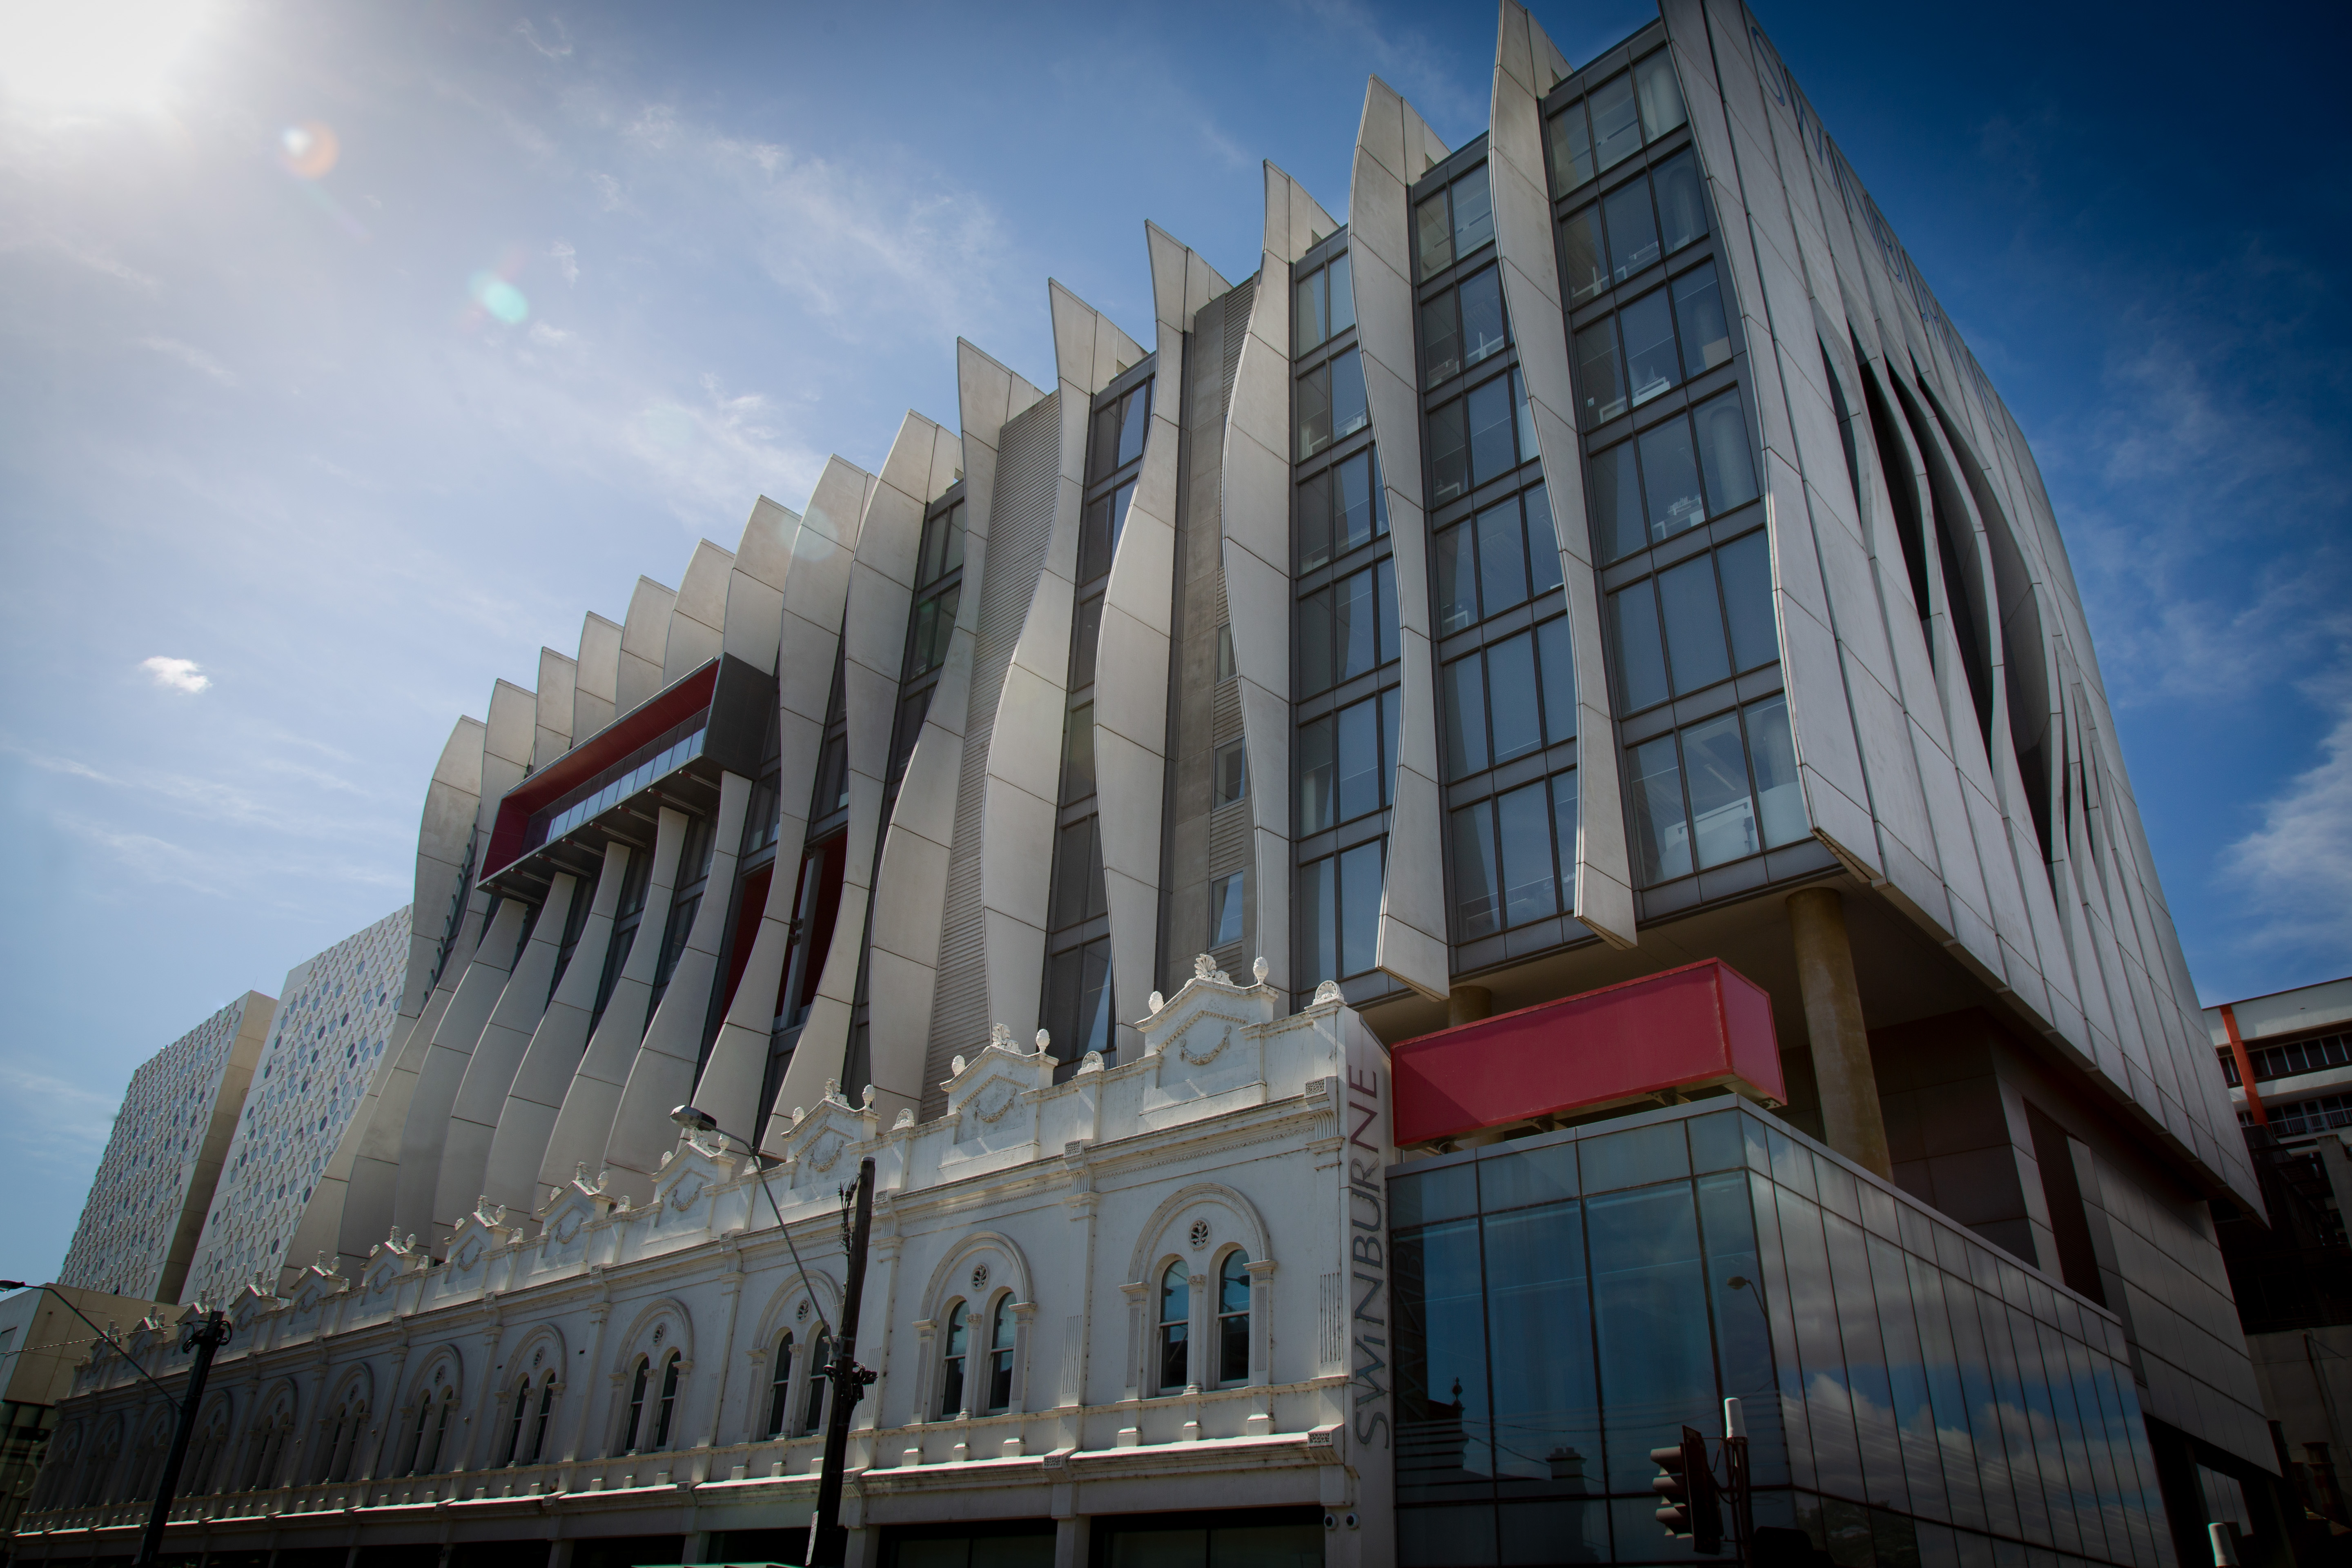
(1693, 1507)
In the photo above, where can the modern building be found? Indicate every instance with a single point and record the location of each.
(44, 1339)
(154, 1185)
(1597, 563)
(335, 1019)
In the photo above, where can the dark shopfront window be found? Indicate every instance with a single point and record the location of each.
(1566, 1303)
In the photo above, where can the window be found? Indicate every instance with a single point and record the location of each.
(1510, 699)
(1346, 629)
(546, 1411)
(820, 1354)
(1078, 754)
(514, 1428)
(1479, 437)
(1232, 1317)
(1339, 910)
(1078, 887)
(1079, 1000)
(1463, 326)
(1003, 1331)
(779, 1382)
(1099, 531)
(1495, 561)
(1226, 670)
(1175, 1328)
(1339, 509)
(941, 550)
(1625, 111)
(1331, 404)
(1347, 763)
(1514, 858)
(1119, 431)
(954, 1348)
(1716, 792)
(428, 1448)
(1323, 306)
(1672, 477)
(1232, 772)
(1652, 215)
(1625, 360)
(636, 1404)
(1225, 910)
(906, 729)
(666, 1410)
(932, 630)
(1449, 226)
(1695, 623)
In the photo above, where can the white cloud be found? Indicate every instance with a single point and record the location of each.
(2295, 869)
(548, 337)
(559, 44)
(566, 259)
(177, 674)
(194, 358)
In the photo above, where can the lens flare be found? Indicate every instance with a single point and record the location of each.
(498, 299)
(308, 150)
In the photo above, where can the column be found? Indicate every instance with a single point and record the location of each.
(1851, 1120)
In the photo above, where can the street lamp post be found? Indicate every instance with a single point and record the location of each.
(828, 1542)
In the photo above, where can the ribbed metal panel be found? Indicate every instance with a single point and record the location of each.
(1021, 519)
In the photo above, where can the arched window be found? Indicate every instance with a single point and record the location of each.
(636, 1404)
(350, 1422)
(1175, 1327)
(429, 1460)
(1232, 1317)
(416, 1438)
(521, 1414)
(820, 1356)
(546, 1409)
(952, 1348)
(667, 1409)
(1001, 1332)
(780, 1384)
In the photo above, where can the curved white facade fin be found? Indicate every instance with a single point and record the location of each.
(698, 620)
(755, 586)
(644, 637)
(557, 705)
(443, 1070)
(596, 679)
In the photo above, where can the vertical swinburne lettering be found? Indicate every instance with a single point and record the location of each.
(1368, 1269)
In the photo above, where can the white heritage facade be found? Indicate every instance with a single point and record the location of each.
(1154, 1285)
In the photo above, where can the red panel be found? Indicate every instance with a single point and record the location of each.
(1700, 1026)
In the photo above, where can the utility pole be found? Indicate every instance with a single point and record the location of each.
(205, 1335)
(828, 1542)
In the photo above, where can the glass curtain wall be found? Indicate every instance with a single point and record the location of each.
(1078, 998)
(1913, 1397)
(1677, 526)
(1345, 661)
(1506, 679)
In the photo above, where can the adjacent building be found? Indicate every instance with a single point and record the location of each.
(45, 1334)
(1595, 562)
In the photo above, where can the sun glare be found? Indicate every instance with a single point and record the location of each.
(94, 54)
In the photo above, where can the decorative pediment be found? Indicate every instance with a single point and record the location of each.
(389, 1259)
(820, 1139)
(318, 1281)
(573, 1207)
(986, 1093)
(687, 1173)
(479, 1232)
(1204, 1040)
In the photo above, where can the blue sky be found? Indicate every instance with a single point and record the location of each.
(256, 418)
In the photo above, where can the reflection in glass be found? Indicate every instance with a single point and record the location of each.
(1563, 827)
(1315, 775)
(1571, 150)
(1309, 326)
(1352, 625)
(1538, 1307)
(1682, 206)
(1449, 454)
(1599, 384)
(1232, 1317)
(1492, 450)
(1747, 569)
(1693, 626)
(1543, 541)
(1557, 658)
(1482, 316)
(1457, 580)
(1656, 1363)
(1616, 125)
(1357, 512)
(1134, 418)
(1359, 905)
(1698, 310)
(1579, 255)
(1318, 929)
(1433, 232)
(1523, 823)
(1617, 501)
(1662, 97)
(1349, 413)
(1441, 340)
(1175, 1314)
(1640, 660)
(1315, 643)
(1660, 835)
(1443, 1441)
(1465, 718)
(1315, 521)
(1502, 562)
(1721, 810)
(1473, 211)
(1670, 479)
(1477, 881)
(1384, 580)
(1511, 697)
(1342, 304)
(1652, 365)
(1723, 446)
(1633, 230)
(1314, 411)
(1226, 910)
(1360, 759)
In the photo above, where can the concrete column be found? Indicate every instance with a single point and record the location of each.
(1850, 1119)
(1072, 1541)
(1467, 1005)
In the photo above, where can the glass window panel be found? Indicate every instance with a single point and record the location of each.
(1086, 637)
(1502, 558)
(1543, 541)
(1441, 339)
(1093, 540)
(1632, 229)
(1350, 411)
(1722, 812)
(1342, 301)
(1698, 311)
(1635, 1158)
(1661, 96)
(1319, 926)
(1134, 419)
(1360, 905)
(1723, 447)
(1389, 703)
(1315, 643)
(1352, 625)
(1641, 661)
(1657, 1366)
(1747, 567)
(1693, 626)
(1307, 327)
(1094, 999)
(1315, 521)
(1432, 236)
(1511, 697)
(1317, 779)
(1660, 835)
(1356, 513)
(1473, 213)
(1494, 450)
(1617, 503)
(1670, 479)
(1449, 454)
(1444, 1444)
(1555, 656)
(1546, 1427)
(1483, 332)
(1077, 854)
(1865, 1361)
(1103, 455)
(927, 563)
(1457, 580)
(943, 628)
(1449, 1192)
(919, 654)
(1360, 759)
(1384, 576)
(1540, 1175)
(1616, 124)
(1828, 1408)
(1682, 206)
(1233, 772)
(1465, 718)
(1314, 411)
(1477, 881)
(1522, 416)
(1581, 255)
(952, 559)
(1078, 754)
(1571, 150)
(1600, 378)
(1652, 365)
(1226, 910)
(1523, 823)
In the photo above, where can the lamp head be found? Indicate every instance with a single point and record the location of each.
(694, 1120)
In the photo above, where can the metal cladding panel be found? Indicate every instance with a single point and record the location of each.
(1701, 1026)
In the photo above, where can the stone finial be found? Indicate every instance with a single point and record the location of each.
(906, 1118)
(1155, 1002)
(1203, 966)
(955, 1067)
(1259, 968)
(393, 1239)
(412, 1241)
(1044, 1039)
(832, 1089)
(602, 1177)
(866, 1097)
(580, 1172)
(797, 1113)
(1326, 992)
(1091, 1062)
(1000, 1035)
